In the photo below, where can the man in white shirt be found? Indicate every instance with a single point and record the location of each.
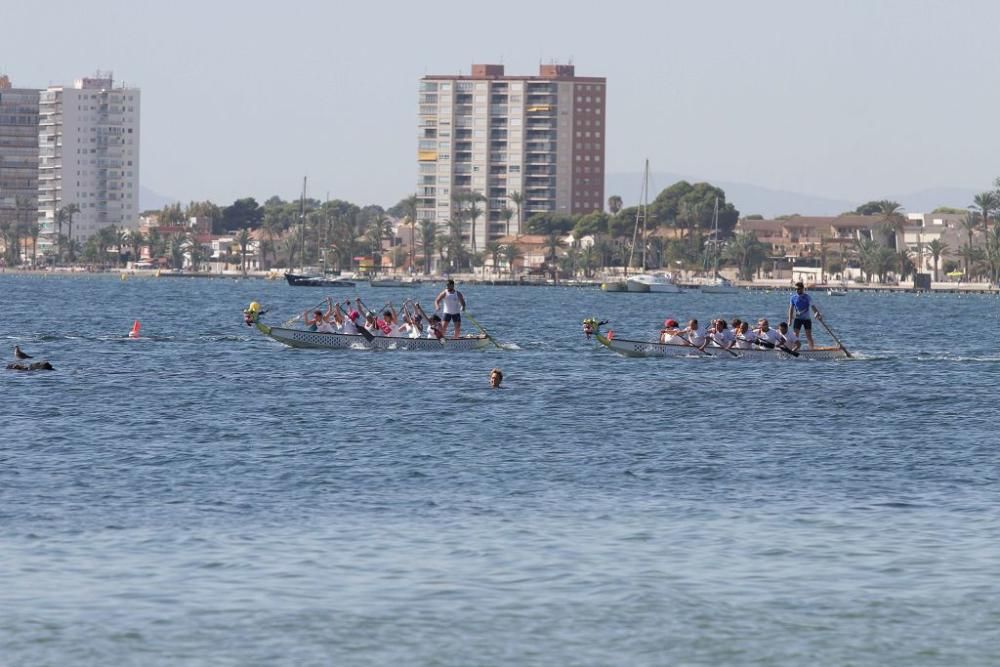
(695, 335)
(789, 340)
(722, 336)
(766, 335)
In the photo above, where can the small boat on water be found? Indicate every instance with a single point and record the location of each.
(393, 282)
(641, 348)
(614, 286)
(718, 286)
(836, 292)
(653, 282)
(304, 280)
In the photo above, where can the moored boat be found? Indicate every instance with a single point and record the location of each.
(653, 282)
(718, 286)
(614, 286)
(303, 280)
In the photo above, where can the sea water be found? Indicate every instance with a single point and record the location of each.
(204, 495)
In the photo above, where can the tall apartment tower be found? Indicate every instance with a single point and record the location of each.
(18, 153)
(88, 156)
(542, 136)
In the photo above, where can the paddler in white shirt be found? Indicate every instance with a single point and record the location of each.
(695, 335)
(669, 332)
(764, 333)
(722, 336)
(746, 337)
(789, 340)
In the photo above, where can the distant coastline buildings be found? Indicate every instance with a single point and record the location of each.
(524, 144)
(69, 146)
(88, 156)
(18, 153)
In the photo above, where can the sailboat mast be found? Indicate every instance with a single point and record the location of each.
(302, 225)
(715, 237)
(645, 211)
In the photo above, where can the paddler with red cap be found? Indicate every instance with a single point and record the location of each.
(670, 329)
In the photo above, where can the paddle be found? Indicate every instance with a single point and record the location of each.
(690, 344)
(299, 316)
(485, 332)
(833, 335)
(769, 345)
(368, 335)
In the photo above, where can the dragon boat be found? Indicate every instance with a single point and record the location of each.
(643, 348)
(342, 341)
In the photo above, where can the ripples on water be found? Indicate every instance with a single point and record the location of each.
(206, 496)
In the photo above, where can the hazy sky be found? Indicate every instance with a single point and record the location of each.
(854, 100)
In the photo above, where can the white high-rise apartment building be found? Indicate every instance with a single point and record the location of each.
(542, 136)
(88, 156)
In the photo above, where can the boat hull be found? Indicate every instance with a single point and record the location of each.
(338, 341)
(640, 348)
(652, 283)
(297, 280)
(719, 289)
(636, 286)
(614, 286)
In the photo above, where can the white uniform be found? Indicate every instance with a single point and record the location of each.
(724, 338)
(790, 339)
(349, 327)
(770, 336)
(745, 341)
(326, 327)
(696, 336)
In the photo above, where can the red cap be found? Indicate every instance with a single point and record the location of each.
(670, 323)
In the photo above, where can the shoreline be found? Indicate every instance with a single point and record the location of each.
(467, 279)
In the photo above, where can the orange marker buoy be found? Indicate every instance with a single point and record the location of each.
(134, 333)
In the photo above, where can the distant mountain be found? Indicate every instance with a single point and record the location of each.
(750, 199)
(149, 200)
(925, 201)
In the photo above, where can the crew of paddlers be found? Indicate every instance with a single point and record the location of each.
(410, 321)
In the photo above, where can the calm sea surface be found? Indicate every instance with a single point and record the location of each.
(206, 496)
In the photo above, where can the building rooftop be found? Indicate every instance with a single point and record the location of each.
(549, 72)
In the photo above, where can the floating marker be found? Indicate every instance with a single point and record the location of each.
(134, 333)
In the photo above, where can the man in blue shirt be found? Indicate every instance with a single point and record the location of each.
(798, 312)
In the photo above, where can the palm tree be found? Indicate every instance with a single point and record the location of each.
(34, 229)
(410, 206)
(747, 252)
(243, 239)
(507, 214)
(893, 218)
(194, 251)
(969, 224)
(553, 242)
(615, 204)
(270, 226)
(937, 248)
(987, 203)
(68, 212)
(494, 250)
(427, 232)
(136, 240)
(517, 198)
(177, 251)
(511, 253)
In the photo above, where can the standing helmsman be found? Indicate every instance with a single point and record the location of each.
(798, 312)
(451, 303)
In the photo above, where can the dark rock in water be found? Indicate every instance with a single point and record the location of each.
(33, 366)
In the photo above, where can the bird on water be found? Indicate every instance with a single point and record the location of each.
(18, 354)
